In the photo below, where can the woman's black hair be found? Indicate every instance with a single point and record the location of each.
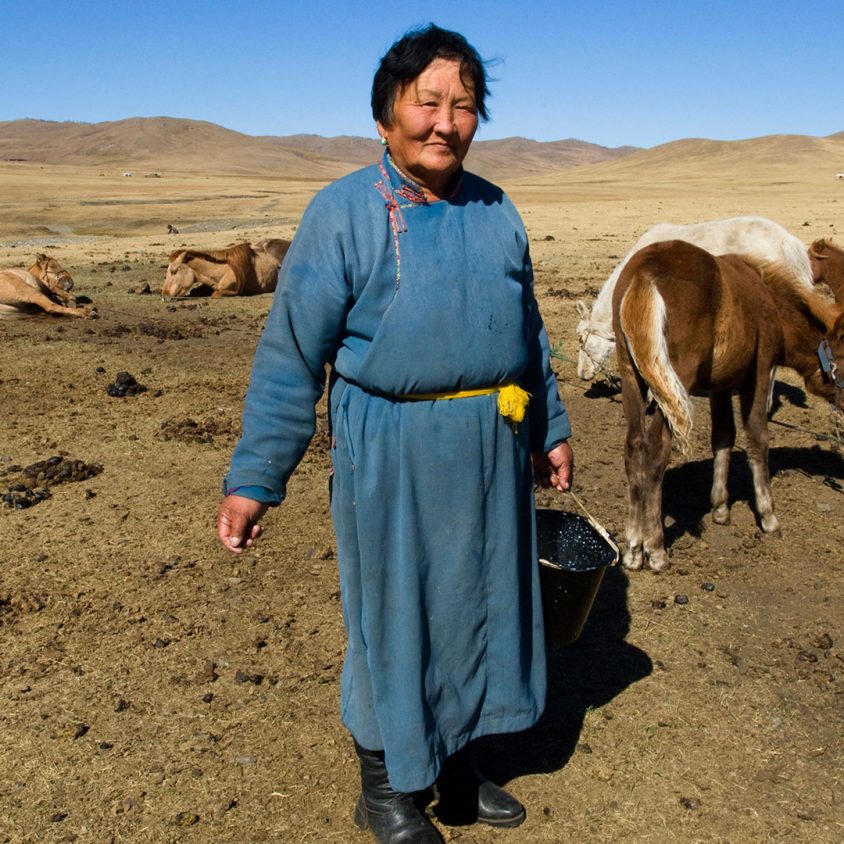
(411, 54)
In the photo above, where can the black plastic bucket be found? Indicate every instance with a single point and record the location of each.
(573, 556)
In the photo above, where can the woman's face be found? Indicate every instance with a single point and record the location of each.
(434, 121)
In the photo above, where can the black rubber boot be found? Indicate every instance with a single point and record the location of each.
(466, 796)
(391, 816)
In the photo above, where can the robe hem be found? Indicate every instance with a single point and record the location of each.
(486, 726)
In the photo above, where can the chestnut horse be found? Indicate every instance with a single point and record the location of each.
(828, 266)
(54, 277)
(690, 323)
(241, 270)
(756, 236)
(43, 287)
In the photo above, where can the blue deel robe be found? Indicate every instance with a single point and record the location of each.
(432, 500)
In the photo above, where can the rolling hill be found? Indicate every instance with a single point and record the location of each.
(171, 144)
(770, 159)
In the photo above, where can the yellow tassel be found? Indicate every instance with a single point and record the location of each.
(512, 403)
(512, 400)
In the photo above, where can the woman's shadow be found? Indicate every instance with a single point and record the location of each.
(586, 674)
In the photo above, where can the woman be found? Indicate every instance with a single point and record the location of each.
(412, 280)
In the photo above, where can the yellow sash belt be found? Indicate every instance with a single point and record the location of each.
(512, 399)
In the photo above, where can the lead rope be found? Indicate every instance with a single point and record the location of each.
(835, 417)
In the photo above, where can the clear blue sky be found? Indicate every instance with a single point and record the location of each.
(613, 73)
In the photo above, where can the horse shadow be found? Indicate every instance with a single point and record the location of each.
(587, 674)
(686, 488)
(604, 389)
(795, 396)
(815, 460)
(685, 494)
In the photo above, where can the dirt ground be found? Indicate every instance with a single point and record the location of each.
(154, 688)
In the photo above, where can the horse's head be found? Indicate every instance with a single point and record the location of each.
(828, 379)
(180, 277)
(50, 271)
(827, 262)
(275, 247)
(818, 256)
(595, 346)
(835, 345)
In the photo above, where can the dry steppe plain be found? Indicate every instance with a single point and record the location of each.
(154, 688)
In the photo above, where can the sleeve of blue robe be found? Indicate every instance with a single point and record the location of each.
(288, 372)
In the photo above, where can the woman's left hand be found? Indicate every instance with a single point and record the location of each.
(555, 468)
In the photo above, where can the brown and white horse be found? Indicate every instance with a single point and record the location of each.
(759, 237)
(689, 323)
(828, 266)
(241, 270)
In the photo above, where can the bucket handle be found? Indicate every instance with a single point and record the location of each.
(595, 523)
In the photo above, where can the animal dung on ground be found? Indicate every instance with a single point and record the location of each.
(20, 497)
(125, 384)
(191, 431)
(30, 484)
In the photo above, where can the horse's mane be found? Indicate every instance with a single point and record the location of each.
(216, 256)
(784, 282)
(241, 259)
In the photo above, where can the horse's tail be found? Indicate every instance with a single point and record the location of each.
(642, 316)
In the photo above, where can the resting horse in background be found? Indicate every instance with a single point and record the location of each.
(55, 278)
(241, 270)
(689, 323)
(275, 247)
(43, 287)
(828, 266)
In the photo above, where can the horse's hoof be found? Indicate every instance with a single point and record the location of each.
(721, 515)
(632, 559)
(658, 561)
(769, 523)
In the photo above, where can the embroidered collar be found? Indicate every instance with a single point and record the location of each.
(409, 189)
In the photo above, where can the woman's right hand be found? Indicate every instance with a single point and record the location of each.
(555, 468)
(237, 522)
